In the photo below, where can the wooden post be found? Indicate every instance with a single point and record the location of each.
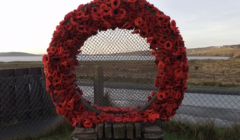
(98, 86)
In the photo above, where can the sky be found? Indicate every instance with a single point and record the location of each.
(28, 25)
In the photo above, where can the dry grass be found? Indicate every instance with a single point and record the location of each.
(224, 51)
(20, 64)
(218, 73)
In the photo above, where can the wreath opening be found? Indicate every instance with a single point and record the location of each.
(143, 18)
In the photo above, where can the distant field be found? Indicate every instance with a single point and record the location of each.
(218, 73)
(224, 51)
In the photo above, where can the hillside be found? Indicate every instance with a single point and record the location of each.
(225, 50)
(230, 51)
(16, 54)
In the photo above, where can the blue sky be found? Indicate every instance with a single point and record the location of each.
(28, 25)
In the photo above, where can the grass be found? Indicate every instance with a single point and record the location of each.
(213, 73)
(203, 131)
(173, 130)
(63, 130)
(224, 51)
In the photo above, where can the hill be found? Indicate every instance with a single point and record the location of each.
(16, 54)
(225, 50)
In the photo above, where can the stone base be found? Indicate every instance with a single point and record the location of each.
(118, 131)
(84, 134)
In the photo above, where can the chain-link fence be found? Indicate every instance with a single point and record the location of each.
(128, 74)
(116, 69)
(25, 106)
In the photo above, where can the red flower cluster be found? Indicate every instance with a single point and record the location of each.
(165, 41)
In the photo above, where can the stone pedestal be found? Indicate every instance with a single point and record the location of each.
(153, 133)
(84, 134)
(119, 131)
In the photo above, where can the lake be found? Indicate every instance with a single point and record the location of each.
(92, 58)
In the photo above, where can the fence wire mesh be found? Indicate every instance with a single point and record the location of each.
(25, 106)
(129, 73)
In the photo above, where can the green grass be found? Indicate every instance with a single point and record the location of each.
(63, 130)
(173, 130)
(203, 131)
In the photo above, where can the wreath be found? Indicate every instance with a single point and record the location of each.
(143, 18)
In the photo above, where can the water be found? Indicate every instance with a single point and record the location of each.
(92, 58)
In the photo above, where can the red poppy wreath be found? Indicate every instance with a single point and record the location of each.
(143, 18)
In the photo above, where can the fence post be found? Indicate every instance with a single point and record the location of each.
(98, 86)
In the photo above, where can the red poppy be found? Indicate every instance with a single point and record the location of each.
(132, 0)
(135, 119)
(61, 110)
(153, 117)
(169, 108)
(115, 3)
(143, 33)
(173, 25)
(70, 104)
(131, 16)
(149, 40)
(156, 105)
(135, 31)
(80, 15)
(161, 65)
(108, 2)
(45, 59)
(105, 10)
(118, 119)
(178, 72)
(60, 97)
(52, 50)
(127, 119)
(144, 120)
(161, 95)
(87, 123)
(126, 26)
(138, 21)
(168, 45)
(163, 117)
(95, 120)
(154, 52)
